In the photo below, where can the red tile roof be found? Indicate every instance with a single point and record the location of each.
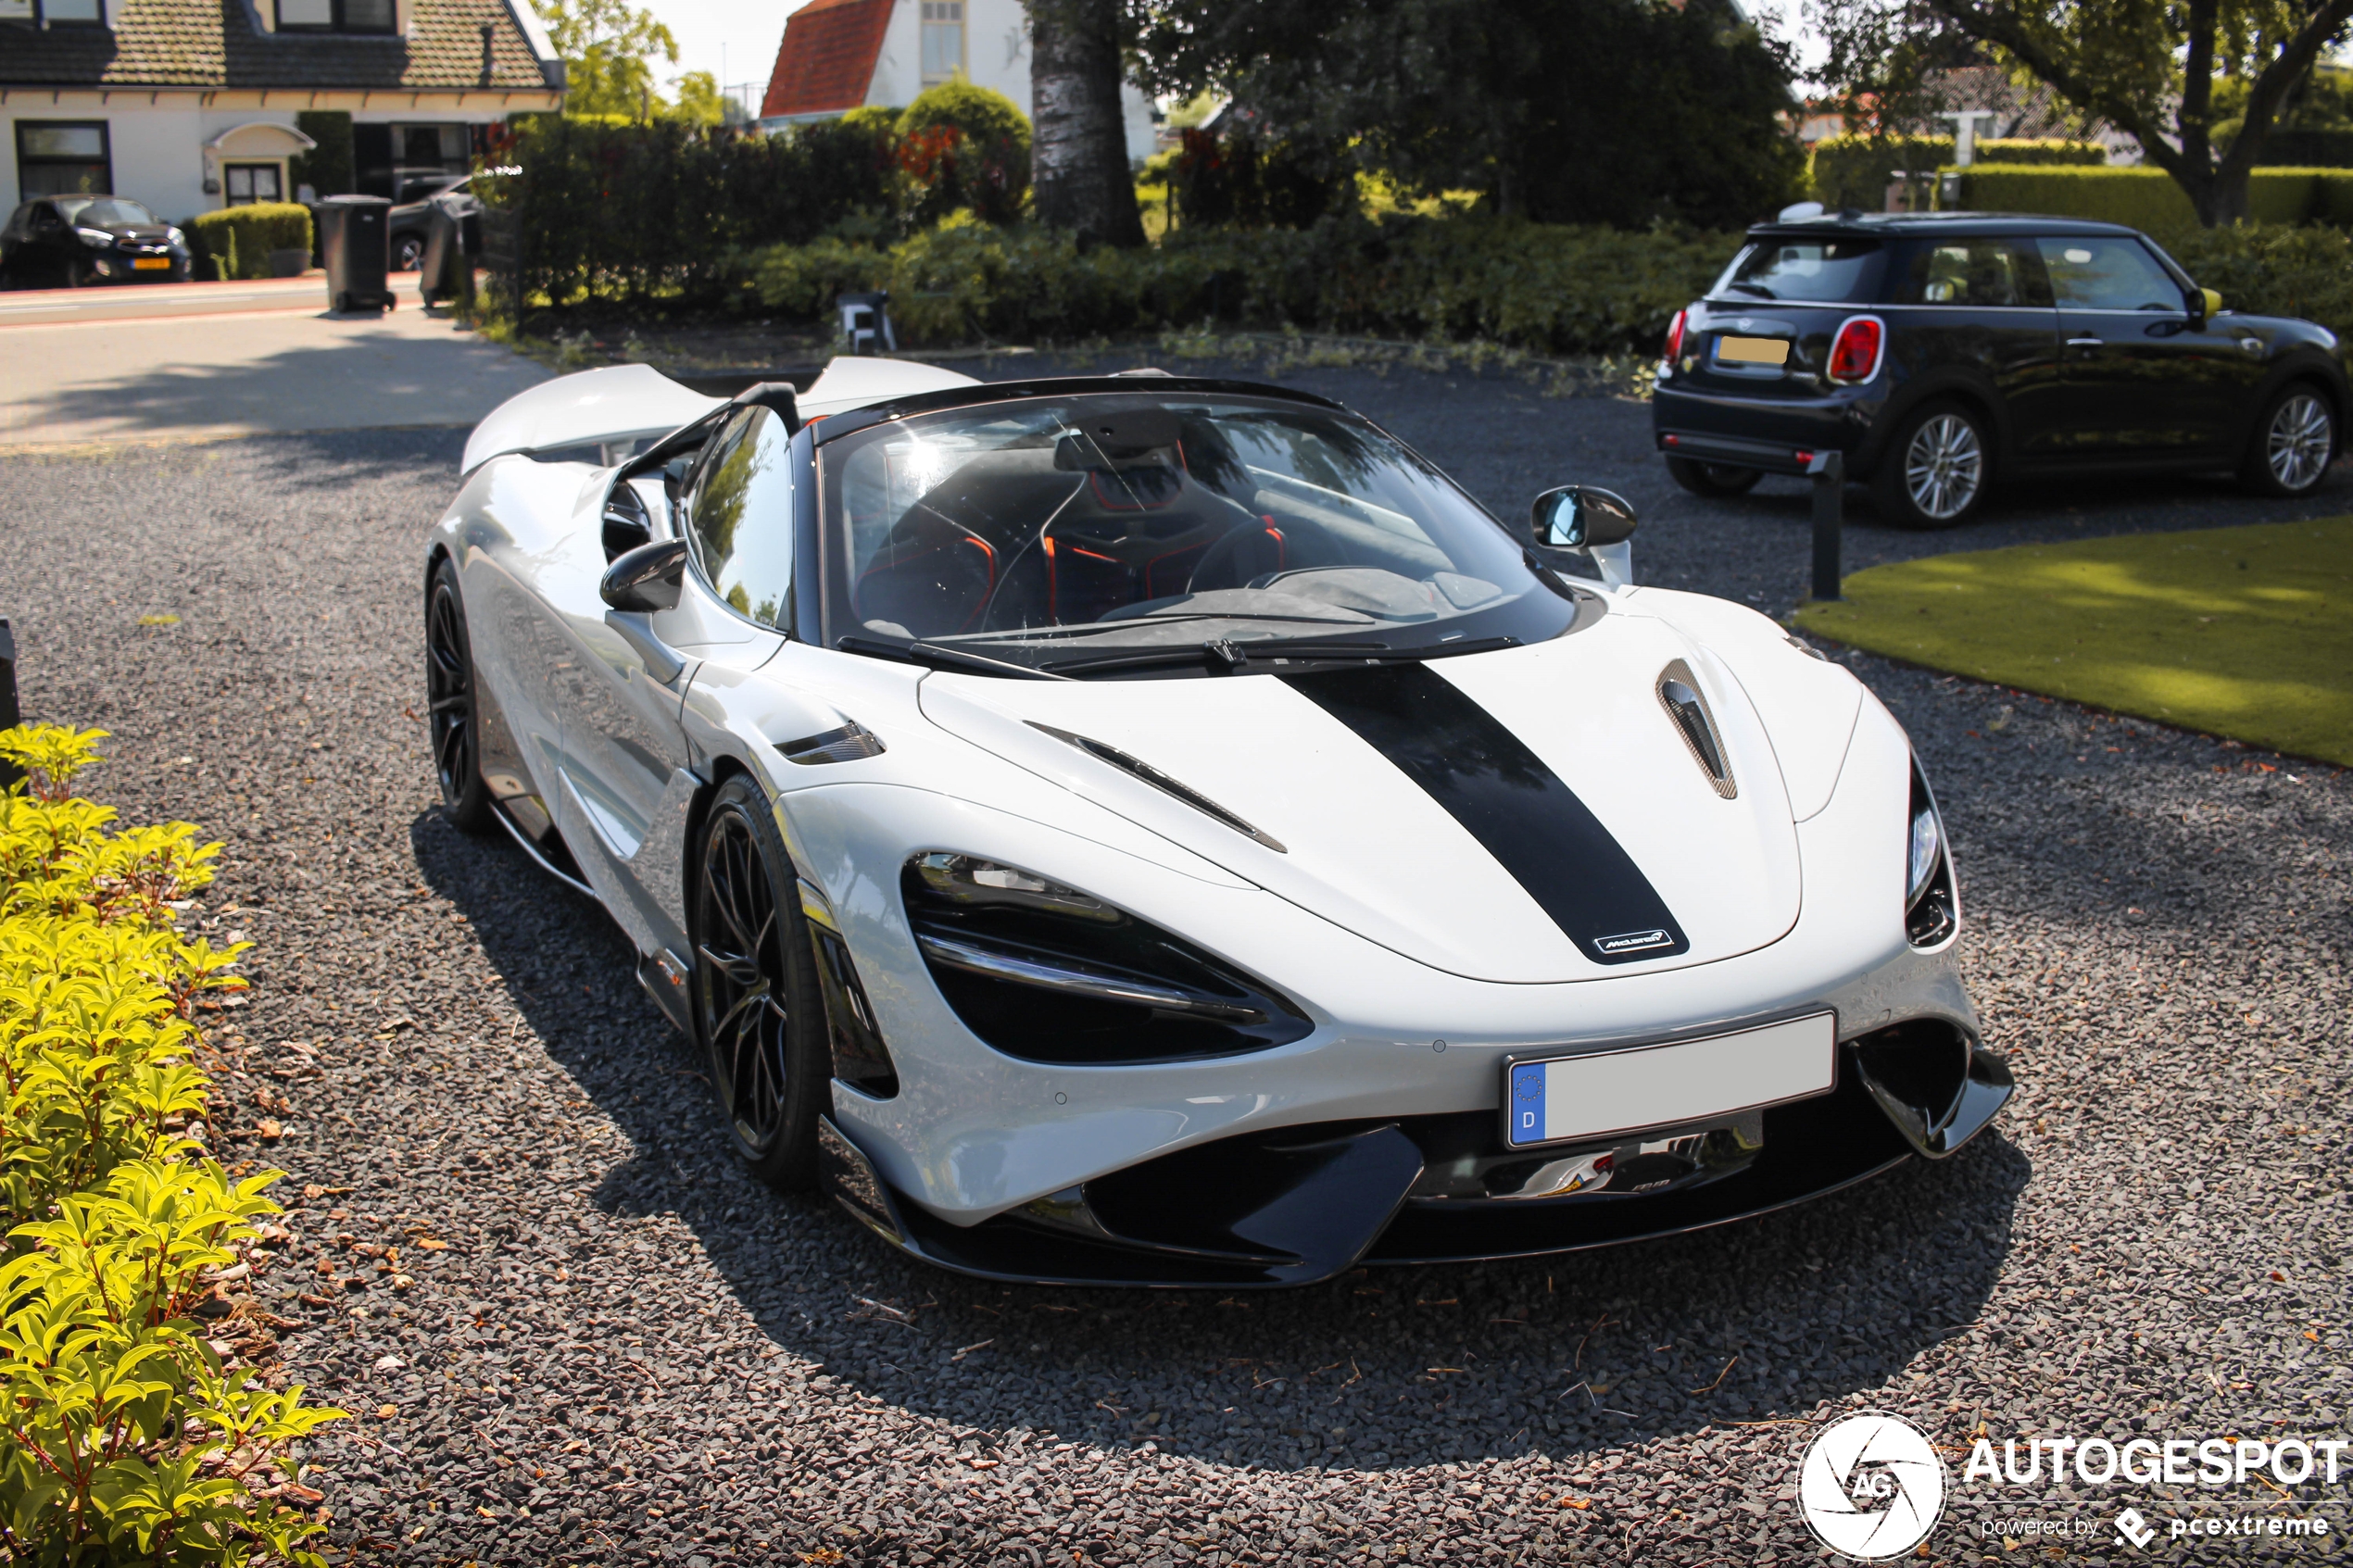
(828, 57)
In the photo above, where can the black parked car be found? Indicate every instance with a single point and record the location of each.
(1937, 351)
(67, 241)
(413, 219)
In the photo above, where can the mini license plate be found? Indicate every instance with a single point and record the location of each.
(1573, 1098)
(151, 263)
(1753, 350)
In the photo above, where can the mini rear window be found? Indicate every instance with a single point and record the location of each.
(1830, 272)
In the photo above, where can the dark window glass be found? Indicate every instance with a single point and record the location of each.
(335, 16)
(740, 515)
(1056, 528)
(103, 211)
(58, 158)
(1828, 271)
(1979, 272)
(2102, 274)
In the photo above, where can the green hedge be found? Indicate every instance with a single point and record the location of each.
(1553, 289)
(1855, 170)
(2273, 268)
(238, 240)
(2149, 199)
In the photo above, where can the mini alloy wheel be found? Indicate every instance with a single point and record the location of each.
(1935, 469)
(757, 1007)
(408, 254)
(450, 696)
(2295, 444)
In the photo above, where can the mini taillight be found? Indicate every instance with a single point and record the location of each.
(1854, 354)
(1675, 337)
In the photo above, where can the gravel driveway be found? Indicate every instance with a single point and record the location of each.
(618, 1349)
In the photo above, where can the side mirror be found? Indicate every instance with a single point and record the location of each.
(1578, 517)
(2207, 305)
(645, 579)
(626, 522)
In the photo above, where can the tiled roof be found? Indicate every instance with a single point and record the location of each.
(214, 44)
(827, 58)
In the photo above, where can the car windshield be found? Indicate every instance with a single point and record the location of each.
(102, 210)
(1828, 271)
(1062, 531)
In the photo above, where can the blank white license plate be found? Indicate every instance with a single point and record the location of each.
(1572, 1098)
(1753, 350)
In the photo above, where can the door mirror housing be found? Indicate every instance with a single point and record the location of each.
(647, 579)
(1578, 517)
(626, 522)
(2205, 305)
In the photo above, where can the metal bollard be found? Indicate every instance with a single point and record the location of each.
(1828, 470)
(9, 716)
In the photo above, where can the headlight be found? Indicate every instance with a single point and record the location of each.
(1931, 909)
(1046, 972)
(174, 237)
(94, 237)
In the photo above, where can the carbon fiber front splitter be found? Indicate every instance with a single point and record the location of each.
(1302, 1204)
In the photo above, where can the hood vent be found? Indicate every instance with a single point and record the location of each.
(1136, 767)
(1679, 694)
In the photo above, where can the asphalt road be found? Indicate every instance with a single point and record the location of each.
(627, 1352)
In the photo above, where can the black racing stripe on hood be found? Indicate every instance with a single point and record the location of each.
(1518, 808)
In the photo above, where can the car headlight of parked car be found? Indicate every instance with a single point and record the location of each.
(175, 239)
(1046, 972)
(98, 237)
(1928, 904)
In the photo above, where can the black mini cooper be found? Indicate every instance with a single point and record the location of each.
(1937, 350)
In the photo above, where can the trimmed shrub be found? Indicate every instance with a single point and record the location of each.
(239, 239)
(2149, 199)
(127, 1441)
(1550, 288)
(326, 168)
(964, 146)
(1857, 171)
(2274, 269)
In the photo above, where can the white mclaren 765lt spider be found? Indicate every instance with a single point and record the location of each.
(1162, 831)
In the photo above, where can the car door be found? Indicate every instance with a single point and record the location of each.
(1982, 303)
(2141, 377)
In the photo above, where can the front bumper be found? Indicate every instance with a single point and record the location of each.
(1302, 1204)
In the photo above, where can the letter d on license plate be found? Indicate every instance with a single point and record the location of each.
(1571, 1099)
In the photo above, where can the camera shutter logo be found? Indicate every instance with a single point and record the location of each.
(1872, 1487)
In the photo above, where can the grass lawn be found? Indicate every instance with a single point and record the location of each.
(2239, 632)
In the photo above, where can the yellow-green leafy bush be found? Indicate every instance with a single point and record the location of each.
(239, 239)
(2148, 197)
(126, 1441)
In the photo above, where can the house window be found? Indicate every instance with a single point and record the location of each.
(53, 12)
(334, 15)
(63, 158)
(249, 182)
(943, 40)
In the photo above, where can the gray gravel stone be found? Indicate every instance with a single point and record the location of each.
(622, 1351)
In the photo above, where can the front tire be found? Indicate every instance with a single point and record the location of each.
(2293, 441)
(1936, 469)
(1717, 482)
(757, 1011)
(452, 713)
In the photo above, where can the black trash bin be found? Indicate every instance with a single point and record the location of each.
(453, 238)
(355, 245)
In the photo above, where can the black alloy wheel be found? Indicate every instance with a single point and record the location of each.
(1936, 468)
(2293, 442)
(451, 714)
(758, 1011)
(1717, 482)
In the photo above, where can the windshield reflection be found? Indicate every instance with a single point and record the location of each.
(1126, 522)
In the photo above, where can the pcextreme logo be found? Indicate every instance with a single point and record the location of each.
(1872, 1487)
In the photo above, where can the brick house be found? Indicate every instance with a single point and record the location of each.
(185, 105)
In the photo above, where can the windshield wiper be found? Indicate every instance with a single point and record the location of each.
(1754, 288)
(1101, 628)
(1231, 656)
(943, 658)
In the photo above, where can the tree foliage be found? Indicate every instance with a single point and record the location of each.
(1619, 111)
(609, 48)
(964, 147)
(2153, 68)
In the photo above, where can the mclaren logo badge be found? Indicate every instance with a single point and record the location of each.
(1632, 942)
